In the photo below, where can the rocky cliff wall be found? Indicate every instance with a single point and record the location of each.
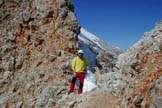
(36, 36)
(141, 71)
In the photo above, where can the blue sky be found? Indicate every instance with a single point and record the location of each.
(119, 22)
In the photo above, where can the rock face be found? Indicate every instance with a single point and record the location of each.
(139, 72)
(36, 36)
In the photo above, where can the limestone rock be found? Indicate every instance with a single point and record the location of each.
(158, 103)
(72, 103)
(30, 46)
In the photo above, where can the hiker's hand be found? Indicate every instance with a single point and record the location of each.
(85, 70)
(74, 74)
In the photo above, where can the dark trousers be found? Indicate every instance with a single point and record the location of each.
(80, 76)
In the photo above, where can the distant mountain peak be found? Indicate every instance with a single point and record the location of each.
(97, 44)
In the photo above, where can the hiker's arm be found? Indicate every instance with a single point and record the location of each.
(73, 65)
(87, 64)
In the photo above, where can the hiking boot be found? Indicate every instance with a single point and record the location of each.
(69, 92)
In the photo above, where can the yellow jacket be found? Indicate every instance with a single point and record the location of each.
(79, 65)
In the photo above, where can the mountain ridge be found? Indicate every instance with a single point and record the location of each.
(97, 43)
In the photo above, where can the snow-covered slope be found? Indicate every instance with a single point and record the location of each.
(97, 44)
(93, 45)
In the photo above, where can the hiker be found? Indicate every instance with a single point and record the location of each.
(79, 66)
